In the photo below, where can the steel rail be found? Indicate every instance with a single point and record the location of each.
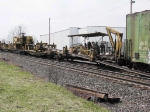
(123, 68)
(106, 75)
(136, 72)
(93, 73)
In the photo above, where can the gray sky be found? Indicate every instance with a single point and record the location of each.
(34, 14)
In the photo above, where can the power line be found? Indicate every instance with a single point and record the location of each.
(84, 10)
(96, 14)
(53, 18)
(79, 13)
(95, 8)
(38, 22)
(92, 15)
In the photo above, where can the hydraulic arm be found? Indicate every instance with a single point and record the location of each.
(118, 45)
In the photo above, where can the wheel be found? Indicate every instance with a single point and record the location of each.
(141, 66)
(71, 58)
(57, 57)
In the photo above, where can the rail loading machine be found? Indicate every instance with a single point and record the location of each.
(93, 51)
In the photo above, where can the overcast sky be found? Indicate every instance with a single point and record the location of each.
(34, 14)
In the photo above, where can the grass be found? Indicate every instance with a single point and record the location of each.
(22, 92)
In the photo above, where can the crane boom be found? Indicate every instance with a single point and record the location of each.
(118, 45)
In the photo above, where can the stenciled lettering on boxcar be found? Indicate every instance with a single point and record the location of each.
(143, 45)
(143, 50)
(148, 56)
(147, 59)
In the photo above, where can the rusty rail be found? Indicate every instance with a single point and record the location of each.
(91, 95)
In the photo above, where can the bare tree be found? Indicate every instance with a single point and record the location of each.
(3, 40)
(17, 31)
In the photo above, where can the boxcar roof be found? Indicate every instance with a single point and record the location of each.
(90, 34)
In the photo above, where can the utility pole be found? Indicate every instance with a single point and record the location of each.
(49, 31)
(131, 6)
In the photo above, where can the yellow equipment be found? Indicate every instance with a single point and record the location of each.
(23, 42)
(40, 46)
(118, 44)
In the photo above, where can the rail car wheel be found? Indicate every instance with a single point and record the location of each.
(59, 57)
(50, 56)
(20, 53)
(130, 66)
(62, 58)
(120, 62)
(142, 67)
(72, 59)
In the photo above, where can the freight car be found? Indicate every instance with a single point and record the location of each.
(138, 40)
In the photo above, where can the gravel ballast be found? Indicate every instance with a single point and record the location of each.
(132, 99)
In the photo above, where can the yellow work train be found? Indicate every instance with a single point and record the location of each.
(25, 45)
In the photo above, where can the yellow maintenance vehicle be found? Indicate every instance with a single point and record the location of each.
(43, 49)
(21, 44)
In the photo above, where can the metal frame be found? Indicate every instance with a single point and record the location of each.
(86, 36)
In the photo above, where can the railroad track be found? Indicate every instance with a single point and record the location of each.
(114, 76)
(108, 65)
(124, 68)
(85, 69)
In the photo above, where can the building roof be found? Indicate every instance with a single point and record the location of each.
(90, 34)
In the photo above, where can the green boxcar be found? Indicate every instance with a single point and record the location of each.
(138, 37)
